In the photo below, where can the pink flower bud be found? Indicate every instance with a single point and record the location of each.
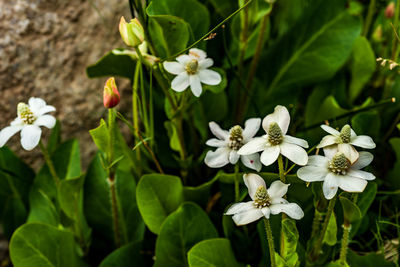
(389, 11)
(111, 95)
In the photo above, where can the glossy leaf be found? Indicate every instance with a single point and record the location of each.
(330, 237)
(100, 136)
(351, 212)
(290, 239)
(124, 256)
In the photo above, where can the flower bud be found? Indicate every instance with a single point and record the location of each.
(111, 95)
(132, 33)
(389, 11)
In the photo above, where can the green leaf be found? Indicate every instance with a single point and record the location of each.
(213, 252)
(351, 212)
(291, 237)
(42, 209)
(393, 176)
(365, 200)
(171, 33)
(15, 182)
(182, 229)
(362, 66)
(330, 237)
(173, 136)
(40, 245)
(157, 196)
(193, 12)
(97, 204)
(112, 64)
(315, 48)
(369, 260)
(55, 138)
(367, 123)
(100, 136)
(124, 256)
(199, 194)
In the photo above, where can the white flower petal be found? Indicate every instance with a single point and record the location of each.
(240, 207)
(269, 155)
(363, 141)
(216, 142)
(251, 127)
(44, 110)
(180, 82)
(279, 200)
(295, 153)
(364, 159)
(280, 116)
(183, 59)
(197, 53)
(247, 217)
(253, 182)
(217, 131)
(352, 134)
(349, 151)
(330, 130)
(361, 174)
(209, 77)
(327, 141)
(205, 63)
(7, 132)
(277, 189)
(352, 184)
(295, 141)
(266, 212)
(30, 136)
(330, 186)
(217, 158)
(291, 209)
(45, 120)
(173, 67)
(330, 151)
(35, 104)
(252, 161)
(17, 122)
(318, 161)
(233, 157)
(195, 85)
(312, 173)
(253, 146)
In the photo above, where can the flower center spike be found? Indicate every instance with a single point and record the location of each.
(192, 66)
(275, 135)
(236, 137)
(345, 134)
(25, 114)
(261, 198)
(339, 164)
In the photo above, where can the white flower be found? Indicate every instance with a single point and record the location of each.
(276, 141)
(264, 201)
(345, 140)
(30, 117)
(192, 70)
(336, 171)
(228, 144)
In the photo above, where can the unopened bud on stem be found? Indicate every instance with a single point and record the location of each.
(390, 10)
(111, 95)
(132, 33)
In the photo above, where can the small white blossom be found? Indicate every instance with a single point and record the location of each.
(192, 70)
(335, 170)
(276, 141)
(229, 143)
(344, 141)
(264, 201)
(30, 117)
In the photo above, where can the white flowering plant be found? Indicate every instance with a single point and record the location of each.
(252, 133)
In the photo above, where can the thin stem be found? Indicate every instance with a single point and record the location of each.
(135, 115)
(316, 223)
(49, 163)
(111, 126)
(368, 20)
(395, 41)
(317, 247)
(270, 242)
(237, 192)
(345, 242)
(208, 33)
(114, 210)
(281, 169)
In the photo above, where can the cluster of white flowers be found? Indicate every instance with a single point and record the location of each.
(341, 166)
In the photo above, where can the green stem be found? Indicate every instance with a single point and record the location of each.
(270, 242)
(135, 115)
(49, 163)
(237, 192)
(114, 210)
(281, 169)
(368, 20)
(316, 223)
(208, 33)
(395, 41)
(111, 126)
(318, 246)
(345, 242)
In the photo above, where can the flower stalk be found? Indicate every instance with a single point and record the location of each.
(345, 242)
(237, 191)
(49, 163)
(270, 242)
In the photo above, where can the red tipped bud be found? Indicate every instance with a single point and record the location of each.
(111, 95)
(389, 11)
